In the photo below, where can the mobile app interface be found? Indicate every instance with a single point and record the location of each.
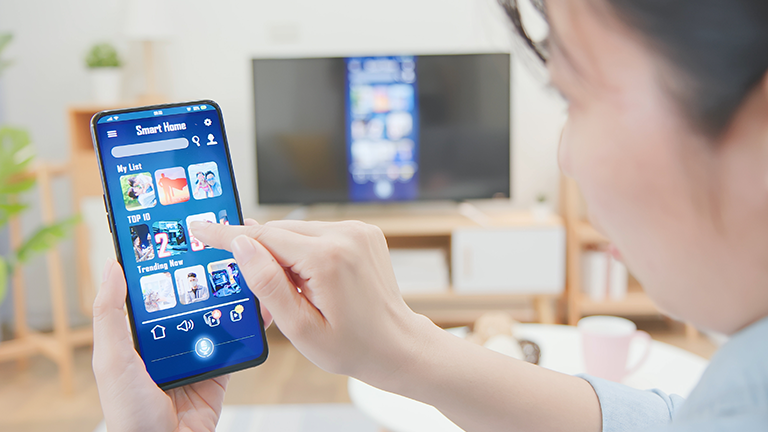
(382, 128)
(165, 169)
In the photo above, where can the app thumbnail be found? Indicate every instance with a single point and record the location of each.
(225, 278)
(223, 218)
(196, 244)
(138, 191)
(141, 239)
(192, 284)
(157, 290)
(170, 238)
(205, 180)
(172, 183)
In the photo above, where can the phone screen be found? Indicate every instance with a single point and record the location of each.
(163, 167)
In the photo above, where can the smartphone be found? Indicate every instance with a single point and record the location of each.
(190, 310)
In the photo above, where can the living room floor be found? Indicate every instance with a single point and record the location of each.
(31, 401)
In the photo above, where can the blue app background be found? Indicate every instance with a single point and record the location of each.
(186, 325)
(382, 128)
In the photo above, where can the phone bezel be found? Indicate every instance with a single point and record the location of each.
(114, 229)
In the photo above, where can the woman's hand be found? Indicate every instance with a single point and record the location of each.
(131, 401)
(331, 290)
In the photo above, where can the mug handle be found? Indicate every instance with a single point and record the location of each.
(648, 342)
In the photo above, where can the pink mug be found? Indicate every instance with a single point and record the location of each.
(606, 340)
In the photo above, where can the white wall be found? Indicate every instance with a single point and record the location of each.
(209, 57)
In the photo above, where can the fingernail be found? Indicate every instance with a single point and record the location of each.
(198, 226)
(107, 269)
(243, 249)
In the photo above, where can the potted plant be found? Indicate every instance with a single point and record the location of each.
(104, 65)
(16, 156)
(541, 209)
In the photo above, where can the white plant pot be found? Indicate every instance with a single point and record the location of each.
(541, 211)
(106, 85)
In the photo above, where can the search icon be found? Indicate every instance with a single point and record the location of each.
(196, 140)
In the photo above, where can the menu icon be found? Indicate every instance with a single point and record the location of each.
(112, 134)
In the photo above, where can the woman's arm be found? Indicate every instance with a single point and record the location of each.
(331, 290)
(481, 390)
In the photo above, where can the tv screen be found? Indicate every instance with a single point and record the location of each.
(382, 128)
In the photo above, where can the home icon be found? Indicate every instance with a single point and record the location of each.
(158, 332)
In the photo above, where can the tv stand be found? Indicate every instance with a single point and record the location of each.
(432, 225)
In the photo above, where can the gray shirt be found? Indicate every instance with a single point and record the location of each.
(732, 395)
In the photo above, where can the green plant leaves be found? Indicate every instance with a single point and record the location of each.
(4, 275)
(5, 39)
(102, 55)
(8, 210)
(45, 238)
(16, 154)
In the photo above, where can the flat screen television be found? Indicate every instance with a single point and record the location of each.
(382, 128)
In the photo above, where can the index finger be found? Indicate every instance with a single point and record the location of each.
(285, 246)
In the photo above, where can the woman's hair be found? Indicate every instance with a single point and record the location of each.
(718, 49)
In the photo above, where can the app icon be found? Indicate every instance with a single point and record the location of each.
(112, 133)
(157, 291)
(212, 318)
(196, 244)
(205, 180)
(138, 191)
(172, 182)
(204, 347)
(223, 218)
(236, 314)
(141, 239)
(225, 278)
(196, 140)
(191, 284)
(170, 238)
(207, 122)
(186, 325)
(158, 332)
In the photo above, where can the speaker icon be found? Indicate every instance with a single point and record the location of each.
(186, 325)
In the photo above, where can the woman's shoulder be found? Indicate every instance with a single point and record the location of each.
(736, 381)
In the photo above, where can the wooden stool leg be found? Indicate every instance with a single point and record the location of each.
(21, 329)
(691, 332)
(61, 331)
(544, 309)
(67, 370)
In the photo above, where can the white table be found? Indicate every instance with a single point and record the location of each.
(667, 368)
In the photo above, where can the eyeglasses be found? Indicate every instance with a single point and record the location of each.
(522, 14)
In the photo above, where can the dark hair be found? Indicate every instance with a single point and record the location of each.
(191, 275)
(718, 49)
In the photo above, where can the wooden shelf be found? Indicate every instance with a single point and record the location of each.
(409, 223)
(453, 308)
(414, 227)
(588, 235)
(634, 304)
